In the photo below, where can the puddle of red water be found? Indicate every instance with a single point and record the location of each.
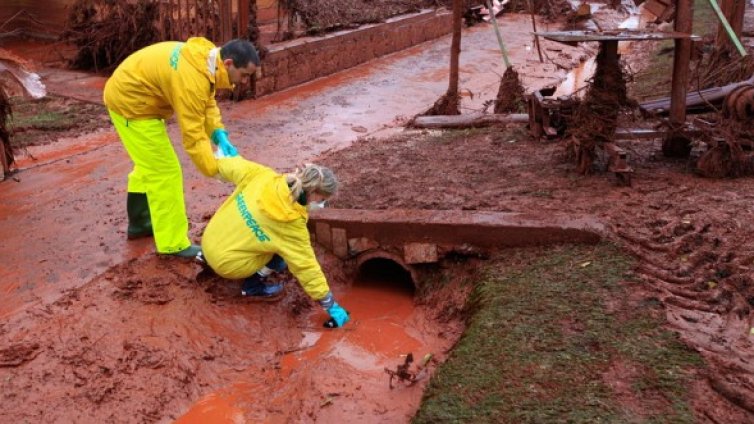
(216, 408)
(379, 335)
(377, 331)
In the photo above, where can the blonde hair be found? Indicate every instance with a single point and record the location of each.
(312, 178)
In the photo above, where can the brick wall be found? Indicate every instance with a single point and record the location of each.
(302, 60)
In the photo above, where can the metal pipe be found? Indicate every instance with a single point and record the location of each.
(534, 27)
(728, 29)
(499, 37)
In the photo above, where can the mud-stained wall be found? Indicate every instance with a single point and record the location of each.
(35, 16)
(267, 11)
(302, 60)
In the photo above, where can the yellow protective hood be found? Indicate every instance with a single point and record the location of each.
(195, 51)
(276, 202)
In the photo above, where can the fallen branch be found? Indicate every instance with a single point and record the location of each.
(472, 120)
(404, 373)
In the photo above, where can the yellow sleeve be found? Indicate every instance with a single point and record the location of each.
(296, 249)
(213, 119)
(190, 104)
(238, 169)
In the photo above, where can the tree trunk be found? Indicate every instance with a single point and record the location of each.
(733, 10)
(447, 104)
(455, 53)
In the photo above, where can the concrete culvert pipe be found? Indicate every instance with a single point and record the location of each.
(385, 268)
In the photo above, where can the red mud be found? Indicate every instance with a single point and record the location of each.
(98, 353)
(691, 235)
(96, 329)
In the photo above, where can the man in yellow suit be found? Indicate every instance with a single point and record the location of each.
(150, 86)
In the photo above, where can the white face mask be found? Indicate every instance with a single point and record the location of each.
(313, 206)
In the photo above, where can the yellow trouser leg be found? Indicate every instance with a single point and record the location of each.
(157, 172)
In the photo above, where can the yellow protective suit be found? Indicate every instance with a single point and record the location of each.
(147, 88)
(258, 220)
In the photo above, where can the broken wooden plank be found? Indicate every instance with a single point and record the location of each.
(468, 121)
(660, 8)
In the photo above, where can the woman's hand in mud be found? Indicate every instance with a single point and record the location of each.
(338, 316)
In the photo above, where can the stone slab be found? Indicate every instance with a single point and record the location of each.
(483, 229)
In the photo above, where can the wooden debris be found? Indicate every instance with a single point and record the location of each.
(472, 120)
(696, 101)
(404, 373)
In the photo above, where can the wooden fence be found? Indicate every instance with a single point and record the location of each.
(218, 20)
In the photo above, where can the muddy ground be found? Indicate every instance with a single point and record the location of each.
(40, 122)
(145, 339)
(692, 235)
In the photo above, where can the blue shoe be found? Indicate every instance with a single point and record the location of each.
(257, 287)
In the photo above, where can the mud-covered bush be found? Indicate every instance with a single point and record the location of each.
(327, 15)
(5, 115)
(551, 9)
(106, 32)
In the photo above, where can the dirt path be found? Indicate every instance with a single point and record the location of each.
(152, 338)
(99, 329)
(280, 130)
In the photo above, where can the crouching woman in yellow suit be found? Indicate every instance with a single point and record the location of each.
(261, 229)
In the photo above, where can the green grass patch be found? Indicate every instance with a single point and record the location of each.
(543, 346)
(47, 114)
(654, 80)
(47, 121)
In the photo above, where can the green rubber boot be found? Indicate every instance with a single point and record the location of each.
(192, 252)
(139, 220)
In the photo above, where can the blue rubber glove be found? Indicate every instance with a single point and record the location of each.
(220, 138)
(338, 316)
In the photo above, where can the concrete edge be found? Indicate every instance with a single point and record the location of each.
(452, 227)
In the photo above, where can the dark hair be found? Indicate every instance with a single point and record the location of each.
(241, 51)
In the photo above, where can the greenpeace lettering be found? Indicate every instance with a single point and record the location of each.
(174, 56)
(250, 221)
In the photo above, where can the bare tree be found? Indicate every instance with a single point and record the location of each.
(448, 103)
(455, 53)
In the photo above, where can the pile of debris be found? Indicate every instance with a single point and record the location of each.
(726, 107)
(550, 9)
(510, 95)
(6, 150)
(16, 78)
(319, 16)
(107, 32)
(595, 118)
